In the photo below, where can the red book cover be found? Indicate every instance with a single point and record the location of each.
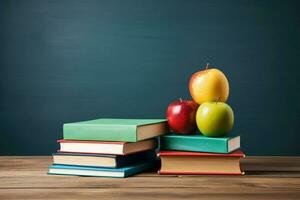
(89, 141)
(236, 153)
(93, 153)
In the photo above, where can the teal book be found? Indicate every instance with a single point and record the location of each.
(124, 130)
(199, 143)
(122, 172)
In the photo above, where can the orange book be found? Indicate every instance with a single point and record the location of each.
(182, 162)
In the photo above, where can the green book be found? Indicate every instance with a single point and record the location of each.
(199, 143)
(123, 130)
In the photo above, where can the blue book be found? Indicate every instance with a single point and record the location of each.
(101, 171)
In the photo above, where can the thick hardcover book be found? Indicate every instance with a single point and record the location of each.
(176, 162)
(101, 171)
(116, 148)
(125, 130)
(103, 160)
(199, 143)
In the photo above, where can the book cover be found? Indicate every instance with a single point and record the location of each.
(236, 153)
(183, 162)
(104, 147)
(100, 171)
(115, 129)
(199, 143)
(119, 160)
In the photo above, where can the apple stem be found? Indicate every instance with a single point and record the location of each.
(206, 68)
(218, 99)
(180, 99)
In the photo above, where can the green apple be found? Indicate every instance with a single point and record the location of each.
(214, 119)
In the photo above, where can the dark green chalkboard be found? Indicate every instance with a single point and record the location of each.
(64, 61)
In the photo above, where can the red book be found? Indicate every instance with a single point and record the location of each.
(182, 162)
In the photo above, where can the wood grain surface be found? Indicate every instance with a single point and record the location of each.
(266, 178)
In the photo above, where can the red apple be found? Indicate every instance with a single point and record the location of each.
(181, 116)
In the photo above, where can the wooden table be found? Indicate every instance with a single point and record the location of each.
(266, 178)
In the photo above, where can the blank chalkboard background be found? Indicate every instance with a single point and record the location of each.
(64, 61)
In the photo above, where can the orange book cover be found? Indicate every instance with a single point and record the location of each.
(237, 153)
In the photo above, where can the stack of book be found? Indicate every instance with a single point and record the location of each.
(108, 147)
(198, 154)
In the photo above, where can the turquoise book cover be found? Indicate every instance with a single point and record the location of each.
(122, 172)
(105, 129)
(199, 143)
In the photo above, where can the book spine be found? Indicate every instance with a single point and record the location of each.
(197, 145)
(144, 156)
(116, 133)
(142, 167)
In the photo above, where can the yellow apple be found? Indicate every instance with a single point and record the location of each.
(214, 119)
(209, 85)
